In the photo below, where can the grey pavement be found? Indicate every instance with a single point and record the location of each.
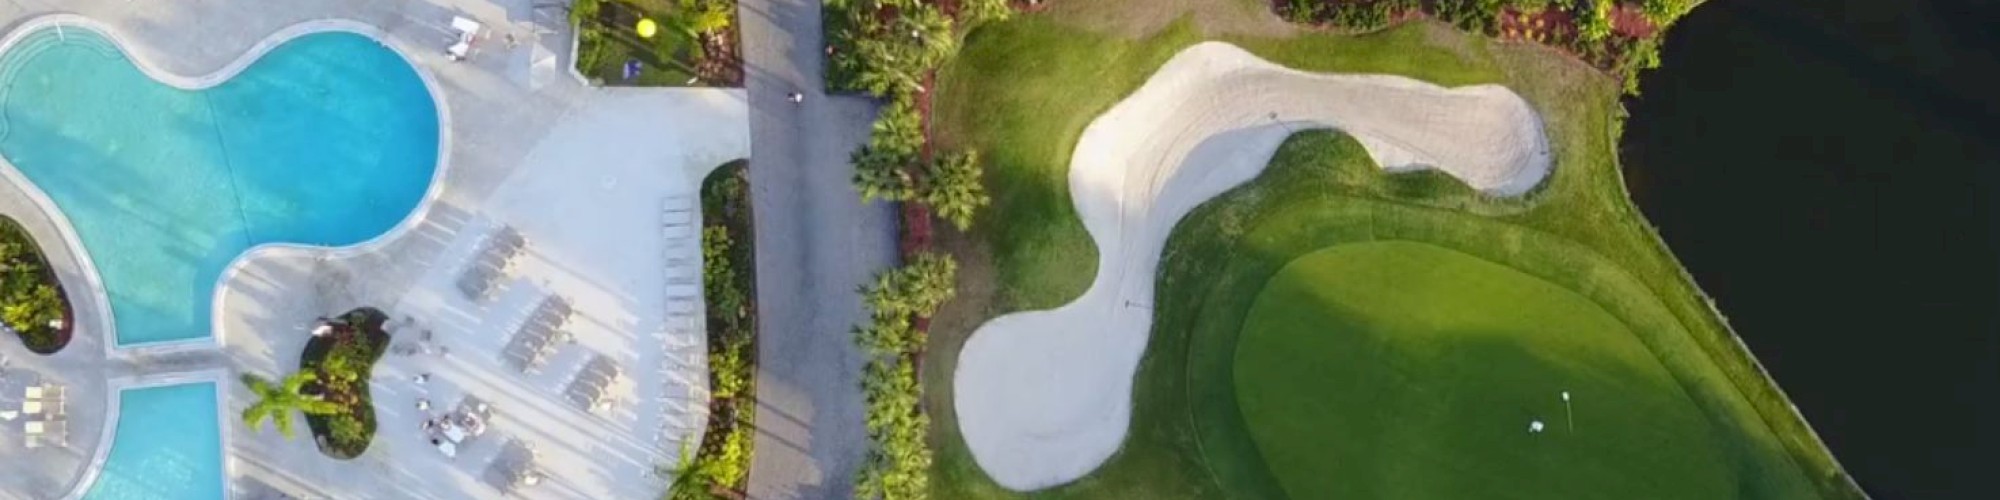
(816, 244)
(79, 368)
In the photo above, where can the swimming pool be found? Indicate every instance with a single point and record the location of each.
(329, 139)
(168, 445)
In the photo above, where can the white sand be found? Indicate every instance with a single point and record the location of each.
(1043, 397)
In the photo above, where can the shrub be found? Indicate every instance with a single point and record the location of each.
(900, 128)
(707, 17)
(1665, 12)
(718, 465)
(1594, 25)
(727, 301)
(346, 428)
(881, 168)
(951, 186)
(731, 366)
(898, 461)
(888, 54)
(913, 291)
(31, 308)
(583, 11)
(897, 466)
(972, 13)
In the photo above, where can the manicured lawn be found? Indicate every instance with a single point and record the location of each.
(1022, 91)
(607, 42)
(1404, 370)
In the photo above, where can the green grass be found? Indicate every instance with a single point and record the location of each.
(1021, 93)
(609, 41)
(1403, 370)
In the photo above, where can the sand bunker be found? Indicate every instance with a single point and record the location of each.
(1043, 397)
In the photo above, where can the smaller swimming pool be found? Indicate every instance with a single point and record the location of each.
(168, 445)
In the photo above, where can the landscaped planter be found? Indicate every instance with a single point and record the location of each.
(607, 40)
(344, 359)
(32, 301)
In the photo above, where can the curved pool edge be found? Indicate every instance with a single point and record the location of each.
(94, 281)
(114, 392)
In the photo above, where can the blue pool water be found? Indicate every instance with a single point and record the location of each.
(168, 446)
(329, 139)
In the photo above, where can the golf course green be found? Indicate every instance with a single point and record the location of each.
(1306, 342)
(1403, 370)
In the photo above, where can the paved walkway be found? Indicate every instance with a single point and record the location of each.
(77, 368)
(816, 243)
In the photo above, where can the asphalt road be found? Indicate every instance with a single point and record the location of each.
(816, 244)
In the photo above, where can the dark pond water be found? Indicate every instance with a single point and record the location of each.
(1829, 170)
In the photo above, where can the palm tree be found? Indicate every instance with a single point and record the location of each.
(277, 402)
(690, 481)
(951, 186)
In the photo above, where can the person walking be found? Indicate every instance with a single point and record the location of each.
(796, 97)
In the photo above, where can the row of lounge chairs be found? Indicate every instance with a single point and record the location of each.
(590, 389)
(48, 419)
(540, 334)
(513, 468)
(684, 374)
(493, 260)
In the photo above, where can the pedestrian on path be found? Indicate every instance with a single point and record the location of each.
(796, 97)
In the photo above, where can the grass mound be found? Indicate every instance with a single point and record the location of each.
(1404, 370)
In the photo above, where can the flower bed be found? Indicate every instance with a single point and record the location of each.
(32, 303)
(342, 360)
(1616, 36)
(719, 467)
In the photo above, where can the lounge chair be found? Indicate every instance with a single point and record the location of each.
(468, 32)
(589, 392)
(682, 306)
(490, 262)
(513, 467)
(554, 312)
(476, 282)
(46, 432)
(527, 352)
(608, 369)
(676, 214)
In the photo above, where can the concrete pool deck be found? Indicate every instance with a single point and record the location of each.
(577, 171)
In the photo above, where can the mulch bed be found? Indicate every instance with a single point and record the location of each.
(721, 65)
(1560, 26)
(1629, 21)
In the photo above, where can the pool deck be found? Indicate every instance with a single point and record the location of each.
(581, 173)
